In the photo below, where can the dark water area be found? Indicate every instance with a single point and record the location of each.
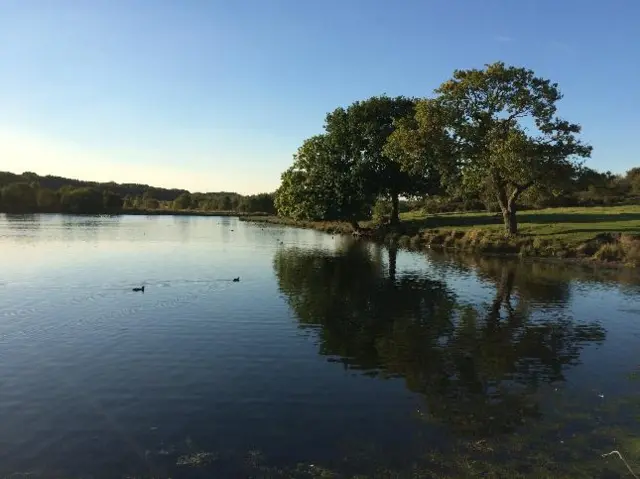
(329, 358)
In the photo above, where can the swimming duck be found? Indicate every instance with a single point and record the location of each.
(139, 289)
(236, 280)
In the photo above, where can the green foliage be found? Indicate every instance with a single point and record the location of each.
(489, 136)
(111, 201)
(587, 188)
(47, 200)
(262, 202)
(18, 198)
(81, 200)
(339, 175)
(22, 197)
(448, 204)
(150, 203)
(322, 184)
(382, 211)
(30, 193)
(423, 148)
(182, 202)
(633, 179)
(507, 134)
(361, 132)
(291, 200)
(214, 201)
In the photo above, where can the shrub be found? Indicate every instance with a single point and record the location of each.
(610, 252)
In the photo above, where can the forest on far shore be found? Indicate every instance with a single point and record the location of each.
(31, 193)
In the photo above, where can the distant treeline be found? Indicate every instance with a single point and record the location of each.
(31, 193)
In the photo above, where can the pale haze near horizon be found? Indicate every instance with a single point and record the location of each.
(212, 95)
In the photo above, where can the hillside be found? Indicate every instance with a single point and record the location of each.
(123, 189)
(30, 192)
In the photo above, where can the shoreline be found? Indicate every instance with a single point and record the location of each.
(605, 249)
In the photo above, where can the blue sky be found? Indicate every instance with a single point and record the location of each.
(217, 95)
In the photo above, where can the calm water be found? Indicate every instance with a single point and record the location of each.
(328, 355)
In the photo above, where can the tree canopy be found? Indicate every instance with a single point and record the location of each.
(492, 134)
(341, 173)
(507, 132)
(322, 184)
(361, 132)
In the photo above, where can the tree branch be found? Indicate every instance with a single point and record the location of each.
(519, 189)
(516, 114)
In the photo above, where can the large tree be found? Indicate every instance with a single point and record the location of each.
(360, 133)
(323, 184)
(422, 147)
(508, 136)
(182, 202)
(340, 174)
(81, 200)
(18, 198)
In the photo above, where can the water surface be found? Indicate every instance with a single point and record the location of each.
(329, 356)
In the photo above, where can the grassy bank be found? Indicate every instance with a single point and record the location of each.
(602, 234)
(332, 227)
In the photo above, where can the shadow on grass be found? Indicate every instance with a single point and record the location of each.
(546, 218)
(523, 218)
(594, 230)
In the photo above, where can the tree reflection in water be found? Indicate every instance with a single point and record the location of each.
(478, 368)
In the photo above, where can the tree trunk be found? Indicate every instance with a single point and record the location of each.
(504, 290)
(509, 217)
(393, 259)
(395, 209)
(508, 208)
(508, 205)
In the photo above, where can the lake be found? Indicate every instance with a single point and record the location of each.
(329, 358)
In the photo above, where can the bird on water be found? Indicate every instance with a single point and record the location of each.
(236, 280)
(139, 289)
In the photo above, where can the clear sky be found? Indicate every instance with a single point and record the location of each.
(217, 95)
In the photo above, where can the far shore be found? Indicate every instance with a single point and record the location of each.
(142, 212)
(608, 236)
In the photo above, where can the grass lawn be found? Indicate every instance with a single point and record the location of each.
(569, 225)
